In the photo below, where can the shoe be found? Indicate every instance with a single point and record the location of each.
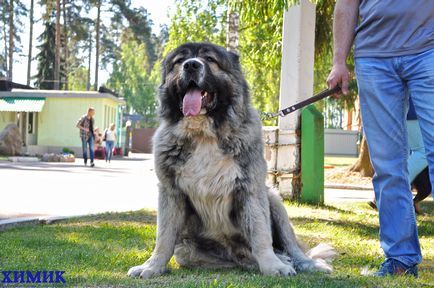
(92, 164)
(394, 267)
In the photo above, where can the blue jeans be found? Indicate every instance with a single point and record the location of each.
(384, 86)
(109, 150)
(417, 159)
(84, 144)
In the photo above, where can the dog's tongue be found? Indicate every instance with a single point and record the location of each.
(192, 102)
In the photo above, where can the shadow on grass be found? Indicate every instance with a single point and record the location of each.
(320, 207)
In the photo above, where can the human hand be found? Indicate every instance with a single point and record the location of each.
(339, 75)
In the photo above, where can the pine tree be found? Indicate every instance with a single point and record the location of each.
(46, 57)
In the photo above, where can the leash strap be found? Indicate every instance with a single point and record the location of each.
(321, 95)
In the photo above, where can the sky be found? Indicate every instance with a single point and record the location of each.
(159, 13)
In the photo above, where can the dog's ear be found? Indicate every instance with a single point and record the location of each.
(235, 58)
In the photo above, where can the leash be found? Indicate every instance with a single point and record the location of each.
(282, 113)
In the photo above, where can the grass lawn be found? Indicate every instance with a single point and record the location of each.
(98, 250)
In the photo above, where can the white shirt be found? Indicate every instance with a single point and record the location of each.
(111, 135)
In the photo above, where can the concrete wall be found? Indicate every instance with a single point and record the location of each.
(340, 142)
(57, 120)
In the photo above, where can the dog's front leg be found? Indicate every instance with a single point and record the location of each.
(257, 221)
(170, 219)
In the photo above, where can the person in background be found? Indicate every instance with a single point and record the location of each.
(110, 139)
(86, 124)
(98, 136)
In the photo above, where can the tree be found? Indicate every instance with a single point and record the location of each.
(130, 78)
(139, 24)
(78, 79)
(29, 57)
(363, 163)
(77, 35)
(65, 43)
(4, 56)
(233, 37)
(12, 13)
(11, 39)
(58, 48)
(97, 43)
(45, 75)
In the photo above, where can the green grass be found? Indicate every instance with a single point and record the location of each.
(98, 250)
(339, 161)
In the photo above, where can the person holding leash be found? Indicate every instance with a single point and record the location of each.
(394, 58)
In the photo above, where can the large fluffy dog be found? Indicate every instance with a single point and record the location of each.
(214, 209)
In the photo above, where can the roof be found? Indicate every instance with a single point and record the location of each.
(30, 94)
(12, 104)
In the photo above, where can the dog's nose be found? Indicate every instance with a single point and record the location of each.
(192, 65)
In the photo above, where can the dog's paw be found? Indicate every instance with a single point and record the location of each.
(272, 265)
(146, 271)
(278, 268)
(322, 266)
(312, 265)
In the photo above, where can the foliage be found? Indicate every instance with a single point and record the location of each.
(98, 250)
(46, 57)
(77, 79)
(19, 13)
(130, 78)
(139, 24)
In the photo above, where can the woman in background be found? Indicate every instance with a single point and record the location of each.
(110, 138)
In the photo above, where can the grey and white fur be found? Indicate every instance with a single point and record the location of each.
(214, 208)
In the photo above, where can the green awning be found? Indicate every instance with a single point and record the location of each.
(17, 104)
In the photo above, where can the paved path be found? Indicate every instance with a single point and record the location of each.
(66, 189)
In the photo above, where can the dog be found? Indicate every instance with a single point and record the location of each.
(214, 209)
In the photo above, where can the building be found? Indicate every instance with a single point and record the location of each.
(47, 118)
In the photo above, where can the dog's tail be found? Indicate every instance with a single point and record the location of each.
(322, 251)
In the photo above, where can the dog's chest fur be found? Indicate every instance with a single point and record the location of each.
(208, 178)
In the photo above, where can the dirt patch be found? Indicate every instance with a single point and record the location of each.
(342, 175)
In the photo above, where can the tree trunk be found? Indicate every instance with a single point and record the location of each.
(29, 59)
(11, 39)
(5, 38)
(65, 44)
(232, 36)
(363, 164)
(90, 63)
(98, 20)
(57, 56)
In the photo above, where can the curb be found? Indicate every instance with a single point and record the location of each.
(23, 221)
(347, 187)
(23, 159)
(15, 222)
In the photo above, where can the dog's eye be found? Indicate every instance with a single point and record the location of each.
(179, 61)
(210, 59)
